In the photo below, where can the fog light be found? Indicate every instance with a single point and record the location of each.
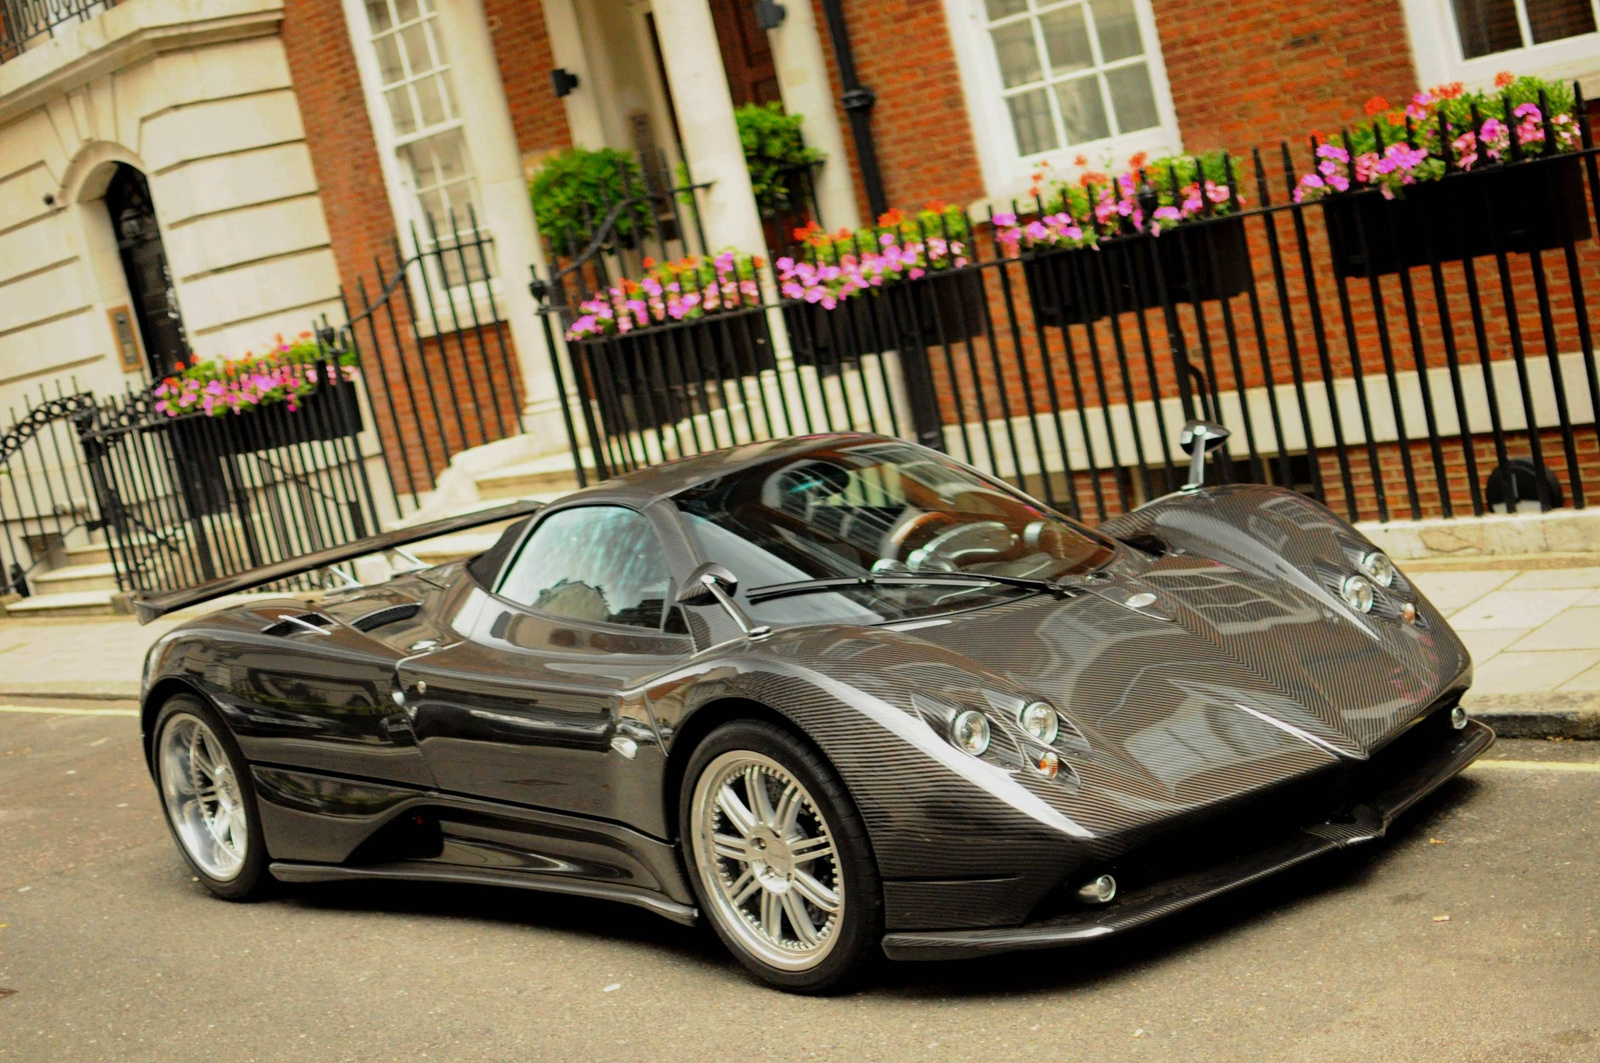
(970, 732)
(1098, 891)
(1040, 720)
(1357, 593)
(1458, 718)
(1377, 565)
(1047, 763)
(1408, 613)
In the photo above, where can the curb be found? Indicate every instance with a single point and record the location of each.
(70, 690)
(1568, 715)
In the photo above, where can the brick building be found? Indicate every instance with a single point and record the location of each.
(280, 146)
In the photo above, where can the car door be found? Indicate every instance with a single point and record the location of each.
(540, 702)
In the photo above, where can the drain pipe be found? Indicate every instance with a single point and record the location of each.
(857, 100)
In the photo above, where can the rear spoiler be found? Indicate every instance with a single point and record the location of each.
(151, 606)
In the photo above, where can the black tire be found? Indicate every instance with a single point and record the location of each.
(251, 881)
(857, 935)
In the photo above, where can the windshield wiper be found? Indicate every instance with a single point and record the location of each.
(904, 579)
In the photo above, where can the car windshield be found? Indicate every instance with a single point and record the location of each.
(878, 509)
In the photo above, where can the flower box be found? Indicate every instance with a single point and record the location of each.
(651, 377)
(1536, 204)
(1069, 287)
(326, 414)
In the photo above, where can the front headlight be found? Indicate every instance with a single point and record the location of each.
(970, 732)
(1357, 592)
(1040, 720)
(1377, 565)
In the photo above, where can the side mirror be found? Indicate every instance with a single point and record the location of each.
(712, 582)
(698, 591)
(1200, 438)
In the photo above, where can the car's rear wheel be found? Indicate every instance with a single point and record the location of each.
(208, 798)
(779, 857)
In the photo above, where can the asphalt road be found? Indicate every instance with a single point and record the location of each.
(108, 950)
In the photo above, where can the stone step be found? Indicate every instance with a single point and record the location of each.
(66, 603)
(551, 476)
(71, 579)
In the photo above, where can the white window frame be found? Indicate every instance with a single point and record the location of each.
(1006, 172)
(404, 203)
(1436, 48)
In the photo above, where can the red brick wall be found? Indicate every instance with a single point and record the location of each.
(919, 123)
(1270, 69)
(522, 47)
(415, 388)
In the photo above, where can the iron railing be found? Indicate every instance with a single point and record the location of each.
(23, 22)
(1430, 356)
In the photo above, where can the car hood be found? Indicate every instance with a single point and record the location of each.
(1225, 667)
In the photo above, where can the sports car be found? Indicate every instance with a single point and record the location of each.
(840, 696)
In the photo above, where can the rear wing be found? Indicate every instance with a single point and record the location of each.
(151, 606)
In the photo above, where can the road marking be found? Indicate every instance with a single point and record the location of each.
(60, 711)
(1540, 765)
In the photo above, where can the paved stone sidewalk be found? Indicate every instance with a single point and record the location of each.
(1534, 636)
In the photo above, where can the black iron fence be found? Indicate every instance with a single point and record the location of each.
(1431, 355)
(190, 498)
(431, 337)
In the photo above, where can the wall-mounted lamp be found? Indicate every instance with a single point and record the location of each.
(563, 81)
(770, 14)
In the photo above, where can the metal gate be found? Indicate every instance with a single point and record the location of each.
(47, 502)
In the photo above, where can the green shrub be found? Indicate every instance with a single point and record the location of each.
(774, 152)
(575, 188)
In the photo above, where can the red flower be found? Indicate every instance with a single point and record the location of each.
(937, 206)
(1080, 160)
(1502, 79)
(891, 217)
(1377, 105)
(1137, 160)
(648, 263)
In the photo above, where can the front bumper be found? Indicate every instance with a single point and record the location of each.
(1368, 815)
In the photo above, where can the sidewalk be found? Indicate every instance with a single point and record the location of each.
(1533, 634)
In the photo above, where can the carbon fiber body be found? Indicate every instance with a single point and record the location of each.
(1225, 712)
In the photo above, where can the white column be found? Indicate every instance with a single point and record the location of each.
(803, 80)
(566, 48)
(700, 96)
(503, 188)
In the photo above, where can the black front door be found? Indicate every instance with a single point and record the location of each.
(144, 263)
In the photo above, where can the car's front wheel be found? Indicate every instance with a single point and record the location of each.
(779, 857)
(208, 798)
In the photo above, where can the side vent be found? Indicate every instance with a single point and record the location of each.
(1153, 545)
(389, 614)
(299, 624)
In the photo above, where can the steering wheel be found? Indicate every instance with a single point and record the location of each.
(909, 530)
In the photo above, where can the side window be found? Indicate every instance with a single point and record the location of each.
(600, 563)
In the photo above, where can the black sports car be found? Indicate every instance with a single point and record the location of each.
(839, 694)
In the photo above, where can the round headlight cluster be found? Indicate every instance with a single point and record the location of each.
(970, 732)
(1040, 720)
(1357, 593)
(1377, 565)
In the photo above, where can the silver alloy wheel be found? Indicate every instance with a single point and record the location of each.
(202, 796)
(767, 862)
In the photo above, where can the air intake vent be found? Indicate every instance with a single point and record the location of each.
(389, 614)
(299, 624)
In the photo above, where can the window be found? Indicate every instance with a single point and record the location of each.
(416, 86)
(595, 563)
(1472, 40)
(1052, 80)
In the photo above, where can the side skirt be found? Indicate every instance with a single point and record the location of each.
(423, 872)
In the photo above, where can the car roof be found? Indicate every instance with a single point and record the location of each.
(644, 486)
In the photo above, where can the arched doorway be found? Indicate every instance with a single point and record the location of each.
(144, 263)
